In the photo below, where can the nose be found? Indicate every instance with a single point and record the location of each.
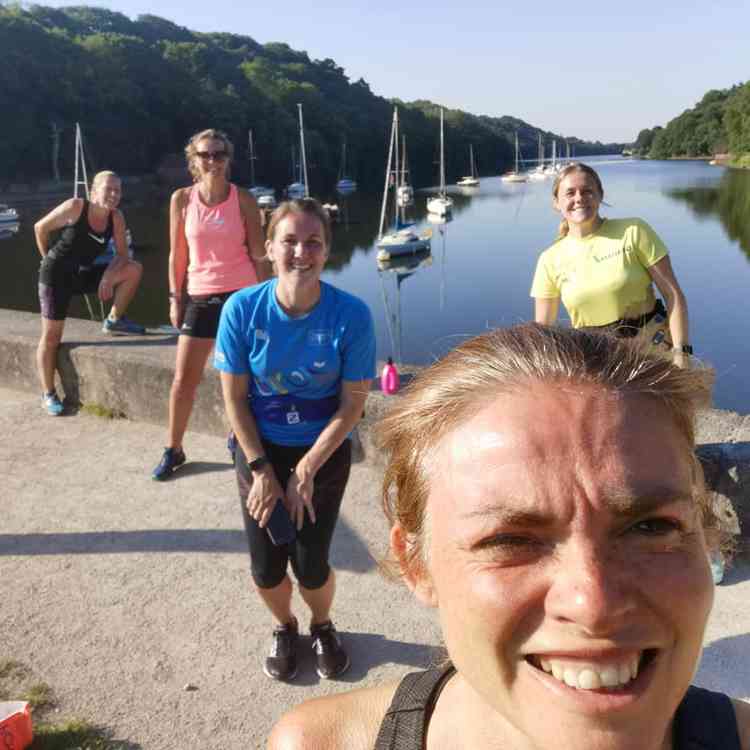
(590, 588)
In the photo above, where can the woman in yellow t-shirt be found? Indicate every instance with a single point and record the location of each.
(604, 270)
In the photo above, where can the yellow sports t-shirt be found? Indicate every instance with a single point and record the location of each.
(602, 277)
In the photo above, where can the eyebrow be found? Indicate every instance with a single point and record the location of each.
(622, 505)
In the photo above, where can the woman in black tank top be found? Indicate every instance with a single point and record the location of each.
(543, 495)
(68, 268)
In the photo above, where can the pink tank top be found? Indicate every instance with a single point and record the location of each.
(219, 260)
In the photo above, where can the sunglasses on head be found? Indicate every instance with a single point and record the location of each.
(215, 155)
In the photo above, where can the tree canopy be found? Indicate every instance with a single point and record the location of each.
(141, 87)
(719, 123)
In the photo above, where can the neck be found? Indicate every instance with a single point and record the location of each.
(582, 230)
(213, 189)
(297, 299)
(97, 210)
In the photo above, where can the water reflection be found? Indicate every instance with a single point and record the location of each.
(729, 200)
(393, 273)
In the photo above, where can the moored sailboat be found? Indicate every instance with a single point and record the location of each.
(403, 238)
(265, 196)
(441, 203)
(472, 179)
(300, 188)
(515, 175)
(345, 185)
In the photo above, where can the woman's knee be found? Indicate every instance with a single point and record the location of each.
(311, 574)
(134, 270)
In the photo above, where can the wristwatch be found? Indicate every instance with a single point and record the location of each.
(257, 463)
(685, 349)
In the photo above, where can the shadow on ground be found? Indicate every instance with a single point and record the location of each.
(368, 651)
(349, 552)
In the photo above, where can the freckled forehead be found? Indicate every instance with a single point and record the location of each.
(545, 433)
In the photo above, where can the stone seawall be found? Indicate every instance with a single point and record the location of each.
(131, 376)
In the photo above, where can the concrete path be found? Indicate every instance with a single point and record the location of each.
(119, 591)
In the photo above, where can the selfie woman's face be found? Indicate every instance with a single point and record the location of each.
(569, 566)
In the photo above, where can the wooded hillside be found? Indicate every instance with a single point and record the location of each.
(141, 88)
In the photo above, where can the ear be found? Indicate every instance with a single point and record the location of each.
(268, 247)
(414, 573)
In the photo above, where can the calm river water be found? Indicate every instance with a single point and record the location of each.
(479, 273)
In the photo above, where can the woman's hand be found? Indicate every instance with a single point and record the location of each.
(265, 490)
(176, 312)
(106, 290)
(299, 495)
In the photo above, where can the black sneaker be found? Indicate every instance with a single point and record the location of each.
(171, 460)
(232, 444)
(331, 657)
(281, 662)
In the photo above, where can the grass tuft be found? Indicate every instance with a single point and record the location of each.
(97, 410)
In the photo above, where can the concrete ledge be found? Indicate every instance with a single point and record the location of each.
(131, 376)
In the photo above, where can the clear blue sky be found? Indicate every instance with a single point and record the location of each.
(595, 70)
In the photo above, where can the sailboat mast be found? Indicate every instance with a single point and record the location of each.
(80, 158)
(516, 152)
(252, 157)
(442, 157)
(394, 134)
(302, 148)
(471, 160)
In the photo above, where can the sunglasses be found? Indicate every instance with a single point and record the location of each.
(215, 155)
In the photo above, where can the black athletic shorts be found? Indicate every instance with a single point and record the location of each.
(54, 298)
(202, 312)
(308, 553)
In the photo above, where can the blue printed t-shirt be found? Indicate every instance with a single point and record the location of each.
(304, 358)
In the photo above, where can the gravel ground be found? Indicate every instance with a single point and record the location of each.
(121, 592)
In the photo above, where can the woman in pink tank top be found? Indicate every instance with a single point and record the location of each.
(216, 248)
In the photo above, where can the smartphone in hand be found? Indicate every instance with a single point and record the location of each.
(280, 527)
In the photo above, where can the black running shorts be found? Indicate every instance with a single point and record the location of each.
(202, 312)
(54, 298)
(308, 553)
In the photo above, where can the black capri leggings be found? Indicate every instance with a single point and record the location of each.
(308, 553)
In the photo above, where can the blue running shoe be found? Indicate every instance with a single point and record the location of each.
(52, 404)
(170, 461)
(122, 325)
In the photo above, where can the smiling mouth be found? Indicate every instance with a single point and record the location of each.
(614, 675)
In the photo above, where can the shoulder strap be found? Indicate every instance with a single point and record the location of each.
(706, 721)
(405, 723)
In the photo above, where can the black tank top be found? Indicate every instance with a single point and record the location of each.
(704, 721)
(77, 245)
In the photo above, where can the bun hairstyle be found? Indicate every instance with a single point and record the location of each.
(576, 166)
(191, 150)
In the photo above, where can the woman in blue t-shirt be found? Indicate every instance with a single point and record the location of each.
(296, 357)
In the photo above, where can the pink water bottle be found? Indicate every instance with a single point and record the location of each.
(389, 380)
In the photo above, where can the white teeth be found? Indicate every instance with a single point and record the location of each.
(590, 676)
(610, 676)
(634, 667)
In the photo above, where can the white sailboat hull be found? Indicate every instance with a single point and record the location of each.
(468, 182)
(296, 190)
(401, 242)
(514, 177)
(439, 205)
